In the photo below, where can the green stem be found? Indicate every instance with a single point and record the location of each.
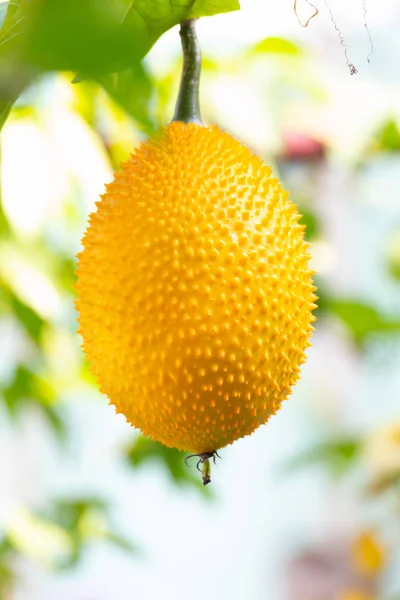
(188, 105)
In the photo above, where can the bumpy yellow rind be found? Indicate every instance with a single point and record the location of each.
(195, 297)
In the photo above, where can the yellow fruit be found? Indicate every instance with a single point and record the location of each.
(194, 291)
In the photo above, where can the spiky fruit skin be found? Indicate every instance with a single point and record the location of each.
(194, 292)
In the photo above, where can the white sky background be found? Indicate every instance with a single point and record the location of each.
(231, 548)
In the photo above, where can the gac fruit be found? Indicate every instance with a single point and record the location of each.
(195, 296)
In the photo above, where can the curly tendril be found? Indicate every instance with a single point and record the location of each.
(371, 43)
(352, 68)
(315, 13)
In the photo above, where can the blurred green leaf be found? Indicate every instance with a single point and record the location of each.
(388, 137)
(5, 108)
(122, 542)
(207, 8)
(55, 420)
(147, 21)
(68, 512)
(362, 319)
(310, 220)
(14, 75)
(4, 225)
(78, 518)
(26, 386)
(394, 268)
(133, 89)
(85, 373)
(10, 15)
(14, 78)
(337, 455)
(161, 15)
(85, 36)
(89, 37)
(276, 45)
(144, 450)
(26, 316)
(7, 573)
(393, 254)
(209, 64)
(85, 98)
(13, 23)
(7, 579)
(65, 268)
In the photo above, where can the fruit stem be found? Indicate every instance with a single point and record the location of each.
(206, 471)
(188, 105)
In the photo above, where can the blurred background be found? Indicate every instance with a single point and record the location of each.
(308, 507)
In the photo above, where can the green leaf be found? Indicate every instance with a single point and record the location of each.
(121, 542)
(362, 319)
(8, 576)
(147, 20)
(161, 15)
(310, 220)
(27, 386)
(393, 254)
(97, 36)
(71, 515)
(68, 512)
(276, 45)
(14, 79)
(55, 420)
(5, 109)
(27, 317)
(14, 75)
(4, 225)
(89, 37)
(133, 89)
(12, 13)
(65, 269)
(338, 455)
(144, 450)
(12, 22)
(7, 579)
(12, 31)
(208, 8)
(388, 137)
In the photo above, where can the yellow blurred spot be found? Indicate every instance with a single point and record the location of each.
(353, 594)
(368, 554)
(382, 456)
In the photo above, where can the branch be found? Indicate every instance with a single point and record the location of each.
(188, 105)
